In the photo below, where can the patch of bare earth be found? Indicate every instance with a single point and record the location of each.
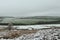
(16, 33)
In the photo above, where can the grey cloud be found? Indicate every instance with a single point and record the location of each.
(20, 8)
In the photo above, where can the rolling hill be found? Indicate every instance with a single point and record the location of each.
(30, 20)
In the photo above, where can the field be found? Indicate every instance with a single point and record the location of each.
(15, 33)
(30, 20)
(26, 21)
(46, 33)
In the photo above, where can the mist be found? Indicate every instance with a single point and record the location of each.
(23, 8)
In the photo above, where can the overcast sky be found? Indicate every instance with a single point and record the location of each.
(21, 8)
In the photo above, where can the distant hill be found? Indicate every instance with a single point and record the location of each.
(30, 20)
(42, 17)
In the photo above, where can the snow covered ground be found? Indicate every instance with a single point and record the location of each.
(36, 26)
(47, 34)
(43, 35)
(33, 26)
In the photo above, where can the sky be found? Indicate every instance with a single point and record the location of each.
(24, 8)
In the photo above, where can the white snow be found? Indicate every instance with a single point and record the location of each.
(48, 34)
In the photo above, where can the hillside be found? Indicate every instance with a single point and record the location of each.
(30, 20)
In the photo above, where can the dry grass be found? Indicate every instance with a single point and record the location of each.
(17, 33)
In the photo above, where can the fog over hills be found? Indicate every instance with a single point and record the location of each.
(30, 20)
(25, 8)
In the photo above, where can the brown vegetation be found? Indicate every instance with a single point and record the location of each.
(17, 33)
